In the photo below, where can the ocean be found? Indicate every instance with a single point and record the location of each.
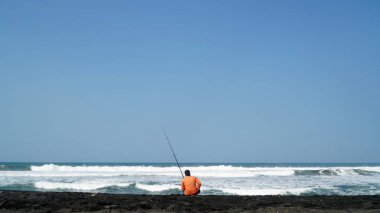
(217, 179)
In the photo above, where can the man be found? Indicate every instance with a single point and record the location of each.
(191, 185)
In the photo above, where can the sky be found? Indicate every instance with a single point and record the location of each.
(230, 81)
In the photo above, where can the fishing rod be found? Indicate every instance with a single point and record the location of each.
(167, 138)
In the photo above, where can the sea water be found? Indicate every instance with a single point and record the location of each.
(217, 179)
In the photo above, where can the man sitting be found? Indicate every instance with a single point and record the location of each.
(191, 185)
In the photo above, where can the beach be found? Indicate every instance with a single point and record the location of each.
(32, 201)
(124, 106)
(138, 187)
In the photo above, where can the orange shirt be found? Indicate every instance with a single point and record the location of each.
(190, 185)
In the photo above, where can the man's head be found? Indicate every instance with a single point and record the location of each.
(187, 172)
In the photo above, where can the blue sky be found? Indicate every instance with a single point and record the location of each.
(231, 81)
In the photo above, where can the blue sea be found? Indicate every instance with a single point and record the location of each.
(217, 179)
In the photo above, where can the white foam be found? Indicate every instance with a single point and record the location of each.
(221, 171)
(268, 191)
(82, 185)
(201, 171)
(157, 187)
(341, 171)
(61, 168)
(370, 169)
(222, 178)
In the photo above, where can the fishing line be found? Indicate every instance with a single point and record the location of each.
(167, 138)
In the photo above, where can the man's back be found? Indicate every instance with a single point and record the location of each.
(191, 185)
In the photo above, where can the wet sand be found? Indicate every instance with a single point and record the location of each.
(22, 201)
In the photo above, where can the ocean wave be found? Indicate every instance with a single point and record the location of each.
(221, 171)
(54, 174)
(267, 191)
(336, 172)
(157, 187)
(161, 187)
(81, 186)
(216, 179)
(106, 169)
(201, 171)
(96, 185)
(365, 172)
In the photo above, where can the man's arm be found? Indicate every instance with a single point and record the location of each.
(183, 185)
(198, 183)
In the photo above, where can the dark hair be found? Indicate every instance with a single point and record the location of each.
(187, 172)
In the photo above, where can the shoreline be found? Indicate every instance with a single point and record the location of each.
(34, 201)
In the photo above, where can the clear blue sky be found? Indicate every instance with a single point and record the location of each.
(231, 81)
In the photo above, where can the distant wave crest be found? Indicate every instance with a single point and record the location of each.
(207, 171)
(337, 172)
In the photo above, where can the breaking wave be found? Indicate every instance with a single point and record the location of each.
(94, 185)
(203, 171)
(336, 172)
(237, 179)
(80, 185)
(207, 171)
(157, 187)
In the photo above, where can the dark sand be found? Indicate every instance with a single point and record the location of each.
(21, 201)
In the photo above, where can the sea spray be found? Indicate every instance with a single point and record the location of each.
(156, 178)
